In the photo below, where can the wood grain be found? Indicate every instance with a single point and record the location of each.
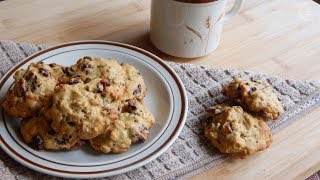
(278, 37)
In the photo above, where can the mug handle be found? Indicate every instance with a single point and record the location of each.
(234, 10)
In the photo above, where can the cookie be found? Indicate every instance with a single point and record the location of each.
(255, 96)
(135, 87)
(73, 109)
(95, 99)
(56, 70)
(115, 140)
(138, 119)
(108, 70)
(37, 132)
(131, 127)
(234, 131)
(101, 87)
(32, 88)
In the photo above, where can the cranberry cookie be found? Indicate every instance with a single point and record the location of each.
(256, 96)
(135, 87)
(32, 88)
(37, 132)
(115, 140)
(236, 132)
(88, 68)
(131, 127)
(73, 109)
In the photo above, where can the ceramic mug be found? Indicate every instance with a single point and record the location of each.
(189, 29)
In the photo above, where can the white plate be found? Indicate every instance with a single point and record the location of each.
(166, 98)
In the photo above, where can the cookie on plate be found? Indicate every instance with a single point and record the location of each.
(131, 127)
(88, 68)
(115, 140)
(73, 109)
(256, 96)
(236, 132)
(32, 88)
(135, 87)
(138, 120)
(105, 90)
(56, 70)
(37, 132)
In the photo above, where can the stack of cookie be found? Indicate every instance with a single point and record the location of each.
(95, 100)
(241, 130)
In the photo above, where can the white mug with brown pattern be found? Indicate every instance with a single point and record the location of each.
(189, 28)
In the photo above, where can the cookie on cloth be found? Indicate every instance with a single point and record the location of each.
(256, 96)
(236, 132)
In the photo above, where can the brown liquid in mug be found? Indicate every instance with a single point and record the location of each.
(196, 1)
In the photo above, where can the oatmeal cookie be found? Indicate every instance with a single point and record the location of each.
(73, 109)
(88, 68)
(236, 132)
(95, 99)
(32, 88)
(37, 132)
(115, 140)
(56, 70)
(135, 87)
(131, 127)
(138, 119)
(102, 87)
(256, 96)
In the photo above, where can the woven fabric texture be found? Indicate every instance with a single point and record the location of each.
(190, 154)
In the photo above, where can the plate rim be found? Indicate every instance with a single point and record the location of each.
(101, 173)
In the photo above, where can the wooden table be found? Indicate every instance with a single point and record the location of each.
(278, 37)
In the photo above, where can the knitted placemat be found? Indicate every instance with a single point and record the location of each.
(190, 154)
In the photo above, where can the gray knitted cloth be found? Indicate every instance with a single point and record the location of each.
(190, 154)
